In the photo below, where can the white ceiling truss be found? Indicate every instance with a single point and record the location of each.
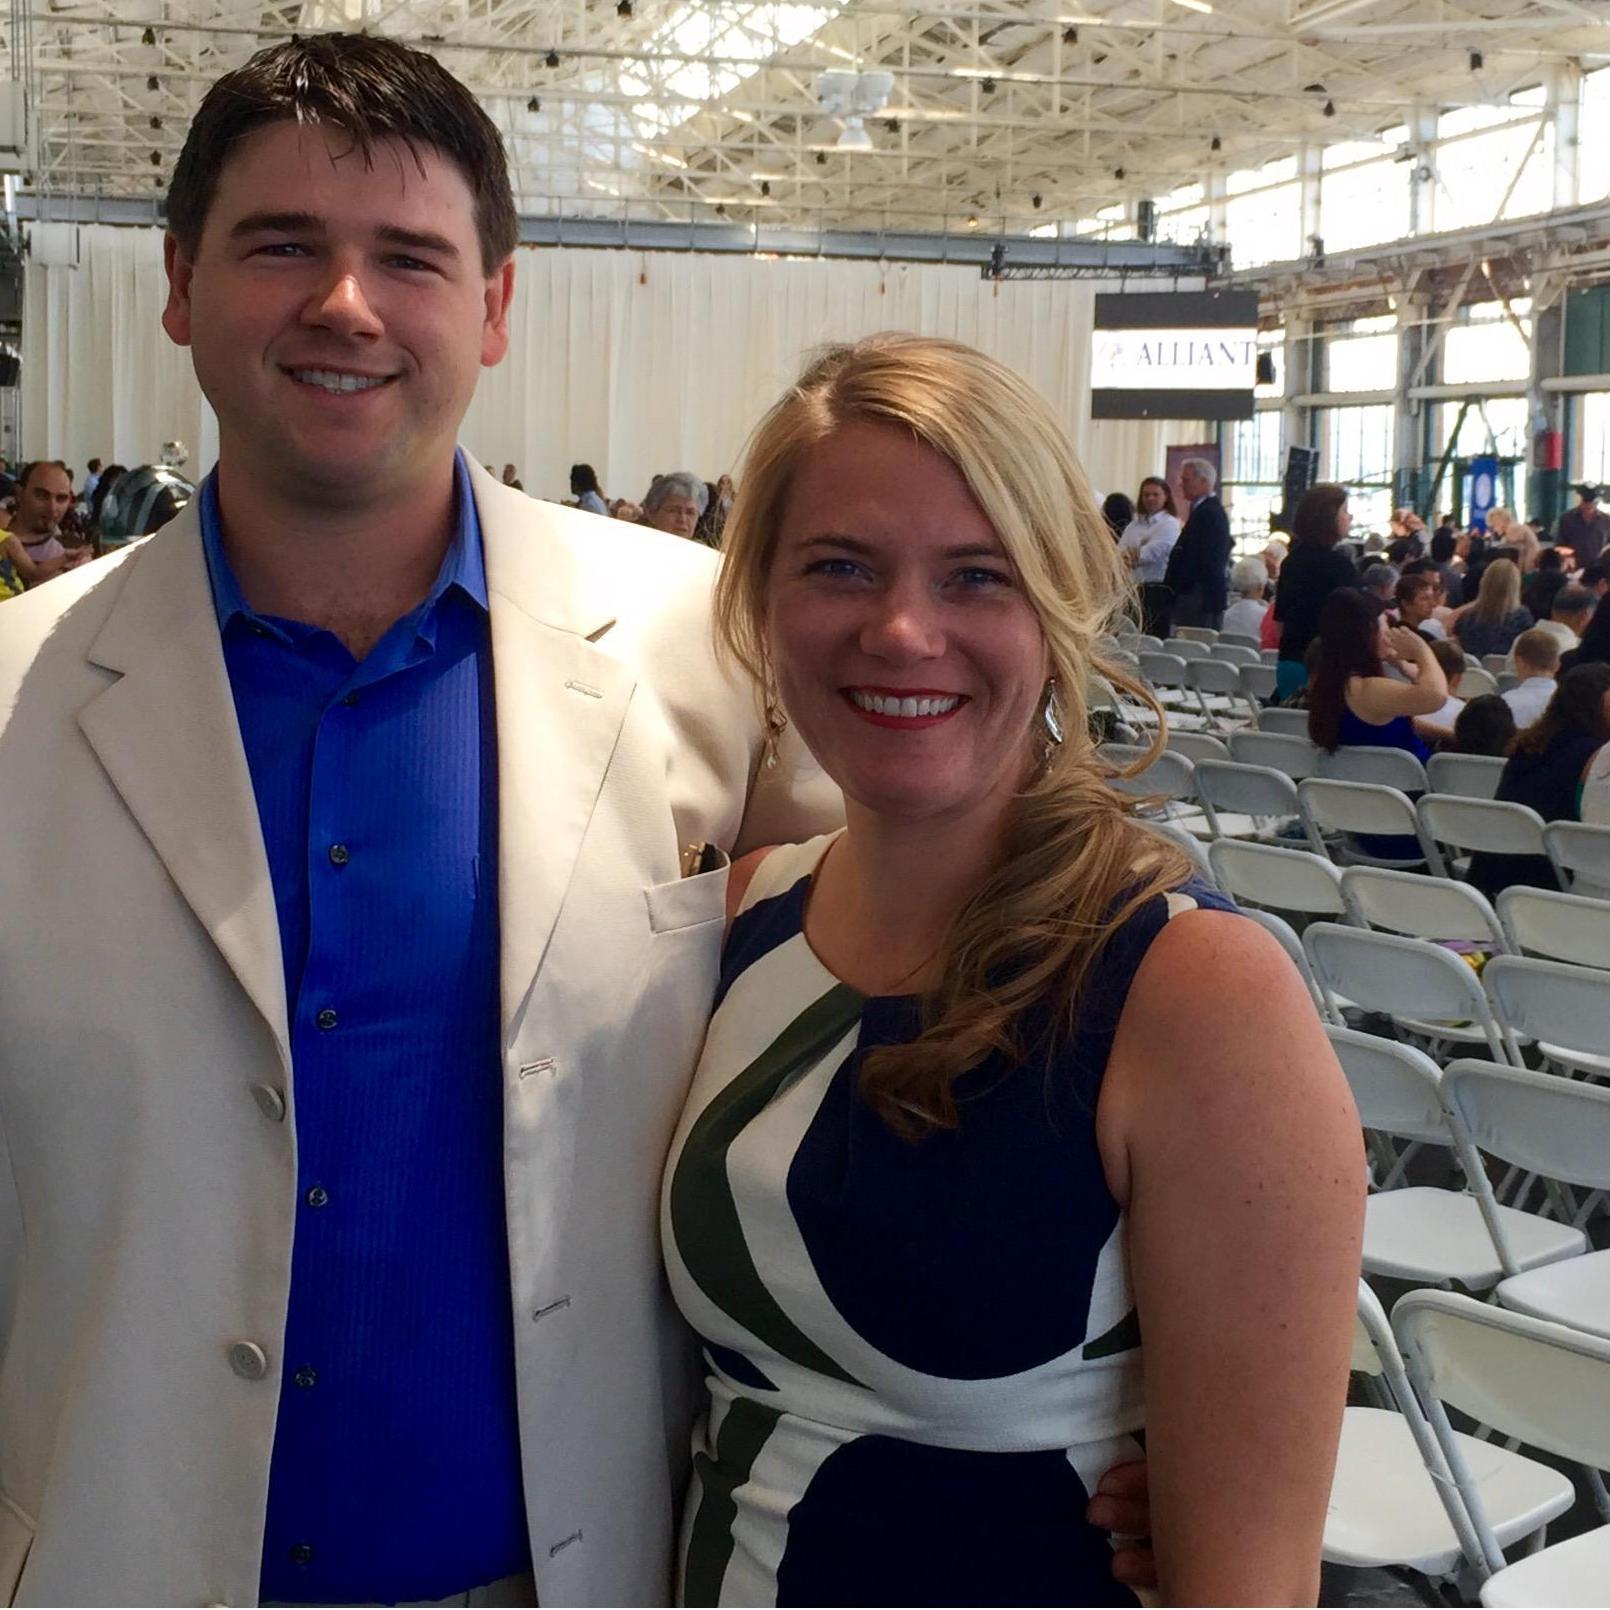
(1003, 118)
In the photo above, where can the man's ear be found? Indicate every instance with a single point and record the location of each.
(180, 267)
(495, 331)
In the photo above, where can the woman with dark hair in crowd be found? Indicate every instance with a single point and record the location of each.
(1595, 645)
(1486, 726)
(1546, 770)
(1117, 511)
(584, 487)
(1313, 570)
(1497, 618)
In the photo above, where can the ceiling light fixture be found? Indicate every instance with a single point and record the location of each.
(552, 58)
(149, 37)
(1036, 200)
(1070, 36)
(852, 98)
(1330, 108)
(1476, 61)
(623, 8)
(1215, 144)
(533, 105)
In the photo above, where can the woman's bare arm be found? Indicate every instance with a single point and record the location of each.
(1229, 1133)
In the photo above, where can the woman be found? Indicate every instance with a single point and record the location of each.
(970, 1075)
(1547, 769)
(1351, 700)
(1496, 619)
(1248, 581)
(1145, 545)
(1117, 511)
(1595, 645)
(1486, 726)
(1502, 526)
(584, 488)
(1312, 572)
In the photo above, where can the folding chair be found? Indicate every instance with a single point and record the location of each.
(1559, 1130)
(1363, 763)
(1566, 1009)
(1269, 656)
(1495, 664)
(1286, 937)
(1393, 1501)
(1166, 674)
(1278, 719)
(1170, 775)
(1473, 776)
(1340, 811)
(1198, 746)
(1287, 752)
(1217, 686)
(1476, 681)
(1426, 1234)
(1224, 788)
(1425, 907)
(1429, 992)
(1543, 1384)
(1258, 683)
(1195, 634)
(1189, 648)
(1469, 825)
(1507, 680)
(1145, 641)
(1236, 653)
(1581, 856)
(1563, 927)
(1284, 880)
(1170, 829)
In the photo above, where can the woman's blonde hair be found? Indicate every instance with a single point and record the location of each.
(1074, 866)
(1499, 594)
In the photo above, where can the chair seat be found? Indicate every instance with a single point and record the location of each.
(1575, 1573)
(1422, 1233)
(1464, 1033)
(1588, 1062)
(1384, 1508)
(1574, 1292)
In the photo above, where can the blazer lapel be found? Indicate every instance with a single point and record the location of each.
(167, 736)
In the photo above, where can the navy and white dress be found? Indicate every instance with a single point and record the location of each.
(921, 1358)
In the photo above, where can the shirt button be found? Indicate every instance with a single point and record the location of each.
(269, 1102)
(339, 855)
(327, 1018)
(306, 1376)
(248, 1361)
(317, 1196)
(301, 1554)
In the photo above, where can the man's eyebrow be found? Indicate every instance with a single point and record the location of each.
(417, 239)
(258, 223)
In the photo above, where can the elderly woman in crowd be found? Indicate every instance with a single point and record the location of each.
(675, 503)
(1248, 581)
(974, 1176)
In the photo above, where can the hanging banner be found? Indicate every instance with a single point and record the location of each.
(1483, 490)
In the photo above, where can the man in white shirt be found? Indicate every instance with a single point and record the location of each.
(1537, 660)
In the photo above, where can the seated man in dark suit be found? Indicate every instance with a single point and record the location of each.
(1198, 568)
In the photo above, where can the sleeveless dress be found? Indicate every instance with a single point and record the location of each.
(921, 1358)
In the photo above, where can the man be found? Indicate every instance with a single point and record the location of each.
(1198, 568)
(1568, 620)
(1380, 582)
(1537, 662)
(352, 972)
(33, 544)
(1596, 578)
(1585, 528)
(675, 503)
(1416, 597)
(92, 476)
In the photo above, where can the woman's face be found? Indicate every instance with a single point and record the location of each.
(1151, 498)
(1344, 522)
(904, 648)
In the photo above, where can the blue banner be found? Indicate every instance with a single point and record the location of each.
(1483, 490)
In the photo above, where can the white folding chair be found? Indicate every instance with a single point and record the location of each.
(1281, 879)
(1237, 653)
(1495, 664)
(1195, 634)
(1363, 763)
(1265, 796)
(1393, 1501)
(1277, 718)
(1217, 686)
(1559, 1130)
(1547, 1386)
(1473, 776)
(1166, 674)
(1563, 927)
(1426, 1234)
(1287, 752)
(1170, 829)
(1188, 648)
(1429, 992)
(1581, 856)
(1198, 746)
(1337, 812)
(1565, 1008)
(1239, 640)
(1169, 776)
(1476, 681)
(1421, 905)
(1289, 941)
(1471, 825)
(1258, 683)
(1145, 640)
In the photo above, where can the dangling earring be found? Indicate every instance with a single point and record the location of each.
(776, 725)
(1050, 717)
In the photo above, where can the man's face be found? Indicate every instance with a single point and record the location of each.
(337, 312)
(677, 514)
(1192, 484)
(43, 503)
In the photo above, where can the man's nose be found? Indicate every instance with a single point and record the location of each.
(341, 304)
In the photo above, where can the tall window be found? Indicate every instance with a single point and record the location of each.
(1253, 480)
(1485, 153)
(1363, 195)
(1263, 214)
(1362, 355)
(1593, 436)
(1357, 452)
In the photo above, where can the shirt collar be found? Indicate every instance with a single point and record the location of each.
(463, 566)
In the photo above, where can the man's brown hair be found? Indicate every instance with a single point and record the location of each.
(372, 89)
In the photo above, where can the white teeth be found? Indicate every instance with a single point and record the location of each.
(333, 380)
(906, 708)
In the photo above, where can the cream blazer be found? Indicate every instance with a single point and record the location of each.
(147, 1100)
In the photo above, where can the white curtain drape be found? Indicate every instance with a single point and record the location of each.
(634, 362)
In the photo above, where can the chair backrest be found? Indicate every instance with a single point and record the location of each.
(1566, 1006)
(1495, 664)
(1184, 840)
(1170, 774)
(1332, 806)
(1482, 824)
(1277, 719)
(1196, 634)
(1145, 640)
(1213, 675)
(1422, 905)
(1565, 927)
(1258, 681)
(1394, 1086)
(1404, 978)
(1240, 640)
(1286, 751)
(1288, 940)
(1473, 776)
(1559, 1128)
(1476, 681)
(1364, 763)
(1579, 851)
(1198, 745)
(1188, 648)
(1162, 670)
(1236, 653)
(1224, 785)
(1507, 680)
(1269, 656)
(1267, 875)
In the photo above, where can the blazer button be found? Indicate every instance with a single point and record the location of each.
(269, 1102)
(248, 1361)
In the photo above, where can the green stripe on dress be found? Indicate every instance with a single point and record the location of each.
(710, 1543)
(704, 1217)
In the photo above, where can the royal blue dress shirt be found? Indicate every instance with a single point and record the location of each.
(396, 1466)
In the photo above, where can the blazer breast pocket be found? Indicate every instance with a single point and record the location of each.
(688, 902)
